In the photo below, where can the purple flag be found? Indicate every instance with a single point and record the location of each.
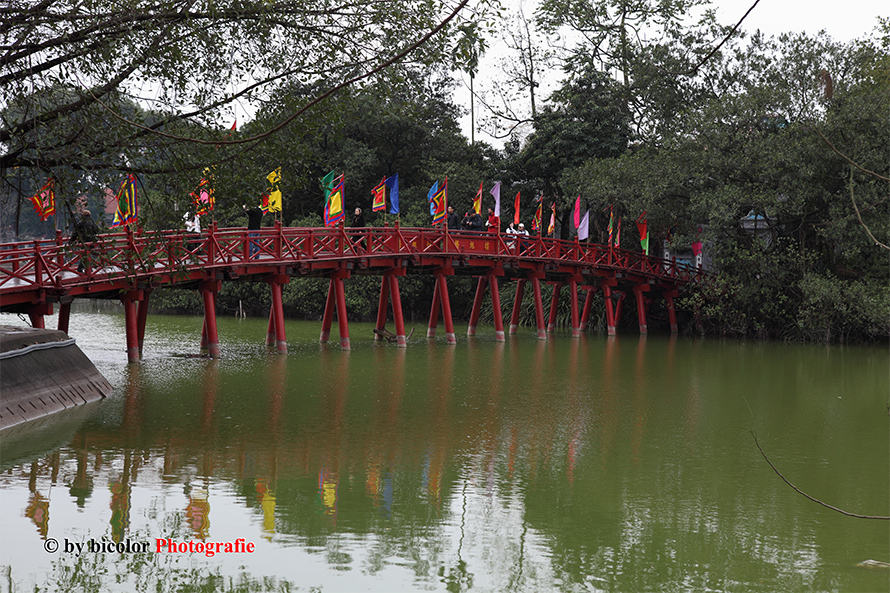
(496, 192)
(584, 227)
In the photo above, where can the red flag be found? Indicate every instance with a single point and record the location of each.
(578, 212)
(516, 209)
(379, 193)
(552, 226)
(643, 227)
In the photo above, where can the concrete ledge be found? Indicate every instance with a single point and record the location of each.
(43, 372)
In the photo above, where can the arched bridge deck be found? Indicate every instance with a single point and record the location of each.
(34, 275)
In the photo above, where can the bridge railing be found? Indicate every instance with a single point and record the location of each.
(128, 254)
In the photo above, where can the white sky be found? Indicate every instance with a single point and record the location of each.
(843, 20)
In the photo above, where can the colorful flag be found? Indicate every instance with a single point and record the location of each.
(430, 195)
(577, 213)
(45, 200)
(643, 227)
(202, 196)
(126, 202)
(392, 183)
(438, 201)
(333, 208)
(496, 192)
(552, 226)
(536, 221)
(477, 201)
(516, 209)
(611, 225)
(273, 203)
(618, 234)
(379, 192)
(584, 227)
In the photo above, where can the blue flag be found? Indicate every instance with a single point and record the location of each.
(430, 195)
(392, 184)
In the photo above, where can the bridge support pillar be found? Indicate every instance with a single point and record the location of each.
(445, 303)
(496, 307)
(573, 295)
(276, 314)
(554, 306)
(208, 293)
(36, 313)
(434, 311)
(477, 305)
(141, 318)
(539, 309)
(336, 298)
(328, 316)
(399, 319)
(672, 312)
(610, 310)
(588, 305)
(517, 306)
(64, 316)
(639, 293)
(382, 304)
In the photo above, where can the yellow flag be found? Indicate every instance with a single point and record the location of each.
(275, 192)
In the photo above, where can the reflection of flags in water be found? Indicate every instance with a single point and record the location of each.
(327, 491)
(392, 184)
(552, 226)
(273, 202)
(438, 196)
(477, 201)
(378, 204)
(45, 200)
(643, 227)
(126, 202)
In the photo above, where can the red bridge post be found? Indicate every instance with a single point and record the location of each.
(517, 306)
(141, 318)
(131, 322)
(477, 305)
(336, 299)
(328, 316)
(639, 290)
(588, 305)
(276, 313)
(539, 306)
(554, 306)
(382, 304)
(399, 319)
(209, 288)
(496, 306)
(64, 315)
(573, 294)
(445, 303)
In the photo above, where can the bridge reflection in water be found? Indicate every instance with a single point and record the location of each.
(510, 465)
(128, 266)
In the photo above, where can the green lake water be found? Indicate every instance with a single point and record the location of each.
(591, 464)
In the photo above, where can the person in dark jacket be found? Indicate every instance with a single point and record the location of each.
(85, 232)
(254, 222)
(453, 219)
(358, 221)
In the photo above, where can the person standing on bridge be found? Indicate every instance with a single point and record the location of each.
(453, 219)
(85, 232)
(254, 221)
(492, 223)
(358, 221)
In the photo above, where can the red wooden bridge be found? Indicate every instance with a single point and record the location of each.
(35, 275)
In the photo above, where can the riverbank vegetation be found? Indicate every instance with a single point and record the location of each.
(772, 152)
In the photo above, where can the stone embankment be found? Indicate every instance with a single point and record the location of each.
(42, 372)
